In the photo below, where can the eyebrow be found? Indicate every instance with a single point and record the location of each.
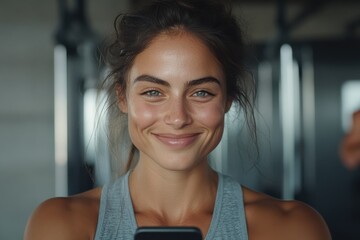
(204, 80)
(195, 82)
(148, 78)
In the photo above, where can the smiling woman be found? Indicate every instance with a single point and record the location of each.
(170, 109)
(176, 68)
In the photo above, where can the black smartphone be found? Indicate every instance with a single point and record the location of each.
(168, 233)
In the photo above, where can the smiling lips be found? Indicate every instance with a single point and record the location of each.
(177, 141)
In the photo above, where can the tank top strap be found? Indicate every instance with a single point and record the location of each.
(116, 218)
(229, 220)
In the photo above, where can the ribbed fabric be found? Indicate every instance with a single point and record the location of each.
(117, 220)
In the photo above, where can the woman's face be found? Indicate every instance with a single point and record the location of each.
(175, 101)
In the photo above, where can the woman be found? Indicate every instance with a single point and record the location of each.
(177, 67)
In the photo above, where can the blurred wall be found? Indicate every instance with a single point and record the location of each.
(26, 103)
(26, 111)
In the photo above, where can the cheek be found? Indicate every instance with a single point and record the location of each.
(141, 115)
(211, 116)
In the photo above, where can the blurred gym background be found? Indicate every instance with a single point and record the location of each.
(305, 58)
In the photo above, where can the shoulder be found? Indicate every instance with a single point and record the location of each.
(65, 218)
(271, 218)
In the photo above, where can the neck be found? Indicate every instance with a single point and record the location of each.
(173, 196)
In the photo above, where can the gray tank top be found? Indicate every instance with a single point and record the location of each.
(117, 219)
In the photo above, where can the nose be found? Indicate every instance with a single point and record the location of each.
(178, 114)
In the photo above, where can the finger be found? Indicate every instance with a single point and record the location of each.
(356, 122)
(352, 161)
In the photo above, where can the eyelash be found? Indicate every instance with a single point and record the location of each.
(152, 93)
(156, 93)
(207, 94)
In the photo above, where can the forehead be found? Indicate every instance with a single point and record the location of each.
(179, 56)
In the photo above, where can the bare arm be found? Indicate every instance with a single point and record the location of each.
(273, 219)
(303, 222)
(51, 220)
(65, 218)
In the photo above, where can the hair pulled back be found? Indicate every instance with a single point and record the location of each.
(209, 20)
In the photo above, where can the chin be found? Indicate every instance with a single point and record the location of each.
(178, 163)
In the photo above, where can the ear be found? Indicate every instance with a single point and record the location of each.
(121, 96)
(228, 103)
